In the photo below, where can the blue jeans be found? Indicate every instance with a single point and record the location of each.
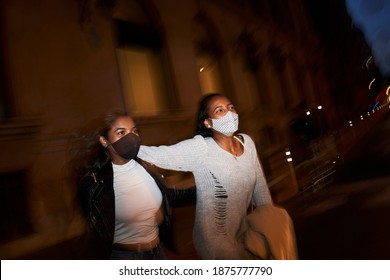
(155, 254)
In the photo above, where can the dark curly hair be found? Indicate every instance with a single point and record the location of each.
(85, 152)
(203, 115)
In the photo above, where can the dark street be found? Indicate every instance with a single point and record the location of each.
(349, 218)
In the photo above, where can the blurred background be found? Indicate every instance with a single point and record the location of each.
(308, 83)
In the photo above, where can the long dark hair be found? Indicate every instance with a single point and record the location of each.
(85, 152)
(203, 115)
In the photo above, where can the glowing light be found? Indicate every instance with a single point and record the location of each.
(375, 106)
(201, 69)
(377, 100)
(378, 96)
(369, 86)
(308, 113)
(319, 107)
(288, 154)
(387, 90)
(369, 61)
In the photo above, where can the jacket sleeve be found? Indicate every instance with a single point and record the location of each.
(97, 203)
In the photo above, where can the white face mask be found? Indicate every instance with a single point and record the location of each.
(226, 125)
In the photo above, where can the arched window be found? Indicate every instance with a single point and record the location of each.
(208, 52)
(141, 59)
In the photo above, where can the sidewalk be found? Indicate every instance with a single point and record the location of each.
(344, 222)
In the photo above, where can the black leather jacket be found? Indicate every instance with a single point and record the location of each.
(98, 205)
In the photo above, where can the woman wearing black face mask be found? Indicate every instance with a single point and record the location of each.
(126, 205)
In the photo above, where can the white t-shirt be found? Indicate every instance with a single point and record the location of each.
(137, 199)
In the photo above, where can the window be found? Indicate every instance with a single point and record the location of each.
(208, 52)
(143, 85)
(142, 67)
(209, 74)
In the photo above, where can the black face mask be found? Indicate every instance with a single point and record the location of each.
(128, 146)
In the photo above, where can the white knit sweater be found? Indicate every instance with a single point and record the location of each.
(225, 185)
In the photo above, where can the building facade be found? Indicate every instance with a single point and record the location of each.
(65, 62)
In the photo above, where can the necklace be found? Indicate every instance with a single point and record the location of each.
(229, 150)
(239, 140)
(235, 155)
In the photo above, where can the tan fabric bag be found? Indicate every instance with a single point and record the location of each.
(268, 233)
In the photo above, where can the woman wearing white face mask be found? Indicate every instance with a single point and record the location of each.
(227, 173)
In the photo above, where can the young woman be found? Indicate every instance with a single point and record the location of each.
(125, 204)
(227, 172)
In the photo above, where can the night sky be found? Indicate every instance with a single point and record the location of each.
(346, 52)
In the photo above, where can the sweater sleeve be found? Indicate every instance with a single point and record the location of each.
(183, 156)
(261, 193)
